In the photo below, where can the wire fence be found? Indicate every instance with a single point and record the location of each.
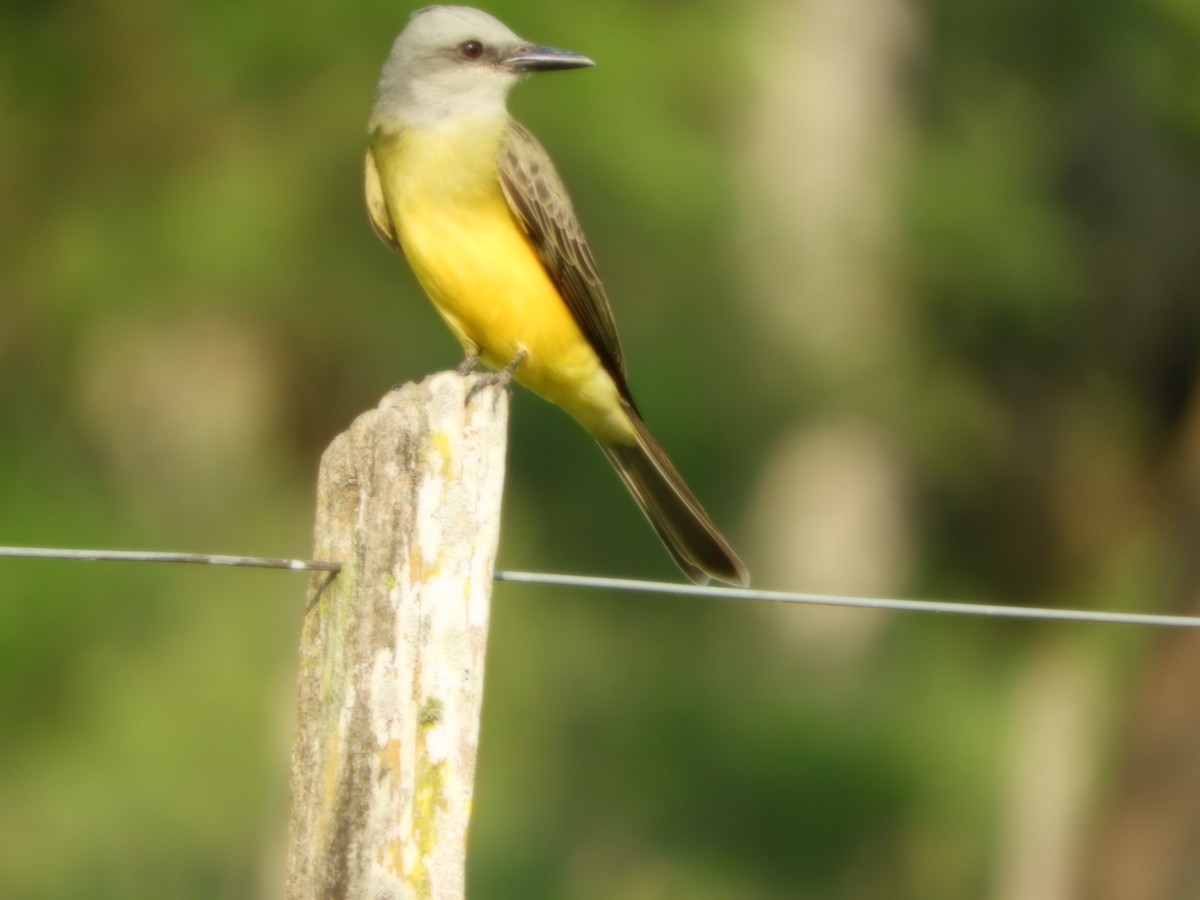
(629, 585)
(149, 556)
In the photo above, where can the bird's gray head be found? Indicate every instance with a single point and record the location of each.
(455, 61)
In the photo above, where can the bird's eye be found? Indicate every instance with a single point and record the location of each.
(470, 49)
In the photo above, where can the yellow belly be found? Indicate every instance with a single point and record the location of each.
(482, 274)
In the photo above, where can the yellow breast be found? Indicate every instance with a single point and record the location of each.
(471, 256)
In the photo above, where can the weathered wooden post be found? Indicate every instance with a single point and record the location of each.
(392, 651)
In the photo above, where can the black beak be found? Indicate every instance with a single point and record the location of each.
(538, 58)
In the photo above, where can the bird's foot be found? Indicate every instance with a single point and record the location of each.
(497, 379)
(467, 366)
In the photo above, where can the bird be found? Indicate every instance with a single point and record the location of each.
(475, 204)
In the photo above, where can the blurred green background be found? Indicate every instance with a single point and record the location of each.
(909, 290)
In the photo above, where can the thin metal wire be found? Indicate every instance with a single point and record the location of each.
(202, 559)
(924, 606)
(637, 586)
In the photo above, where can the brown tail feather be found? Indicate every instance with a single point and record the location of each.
(673, 510)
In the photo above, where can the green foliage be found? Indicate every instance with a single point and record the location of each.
(192, 304)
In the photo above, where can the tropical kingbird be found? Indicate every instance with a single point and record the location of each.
(481, 214)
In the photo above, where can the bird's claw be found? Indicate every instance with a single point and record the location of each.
(467, 366)
(496, 379)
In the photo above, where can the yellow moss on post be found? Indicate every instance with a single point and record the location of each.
(392, 650)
